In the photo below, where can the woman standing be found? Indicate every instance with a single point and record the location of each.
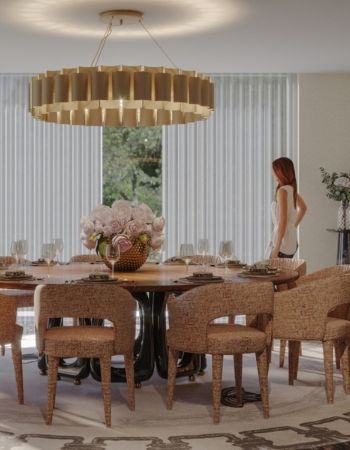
(288, 209)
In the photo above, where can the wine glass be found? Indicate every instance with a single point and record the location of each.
(22, 249)
(225, 251)
(112, 255)
(203, 249)
(186, 253)
(48, 252)
(58, 243)
(14, 250)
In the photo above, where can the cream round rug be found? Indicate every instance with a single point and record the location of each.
(300, 417)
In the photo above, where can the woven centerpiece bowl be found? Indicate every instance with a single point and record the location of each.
(130, 260)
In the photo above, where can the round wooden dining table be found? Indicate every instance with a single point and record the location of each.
(150, 286)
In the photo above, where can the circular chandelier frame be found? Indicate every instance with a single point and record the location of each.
(121, 96)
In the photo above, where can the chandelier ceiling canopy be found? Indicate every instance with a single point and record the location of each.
(121, 96)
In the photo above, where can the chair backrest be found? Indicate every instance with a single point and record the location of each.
(324, 273)
(342, 310)
(109, 302)
(299, 265)
(191, 312)
(7, 260)
(86, 258)
(302, 312)
(8, 308)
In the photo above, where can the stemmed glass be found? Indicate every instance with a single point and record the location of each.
(14, 250)
(18, 249)
(225, 251)
(58, 243)
(203, 249)
(186, 253)
(22, 249)
(112, 255)
(48, 252)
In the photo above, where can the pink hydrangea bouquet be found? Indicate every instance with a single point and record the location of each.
(123, 225)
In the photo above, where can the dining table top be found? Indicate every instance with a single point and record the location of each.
(151, 277)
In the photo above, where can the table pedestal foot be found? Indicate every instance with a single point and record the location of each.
(229, 397)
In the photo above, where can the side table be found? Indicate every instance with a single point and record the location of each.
(343, 251)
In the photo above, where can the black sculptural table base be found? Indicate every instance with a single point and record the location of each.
(229, 397)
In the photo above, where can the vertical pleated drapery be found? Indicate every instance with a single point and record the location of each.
(50, 175)
(217, 178)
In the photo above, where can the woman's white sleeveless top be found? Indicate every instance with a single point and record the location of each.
(289, 242)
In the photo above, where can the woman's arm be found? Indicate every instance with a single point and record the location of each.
(301, 207)
(282, 200)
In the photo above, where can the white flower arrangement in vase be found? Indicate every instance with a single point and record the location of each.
(134, 229)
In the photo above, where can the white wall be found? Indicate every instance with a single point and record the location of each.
(324, 140)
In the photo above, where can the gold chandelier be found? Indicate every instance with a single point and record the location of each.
(121, 96)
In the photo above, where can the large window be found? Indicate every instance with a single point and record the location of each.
(217, 173)
(132, 166)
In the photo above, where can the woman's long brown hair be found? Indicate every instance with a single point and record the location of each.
(284, 170)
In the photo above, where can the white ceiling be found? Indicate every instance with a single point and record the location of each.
(212, 36)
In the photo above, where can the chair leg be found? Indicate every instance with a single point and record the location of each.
(296, 359)
(293, 360)
(17, 364)
(2, 350)
(238, 376)
(328, 365)
(130, 379)
(172, 363)
(338, 352)
(52, 366)
(217, 363)
(269, 354)
(261, 362)
(105, 364)
(283, 344)
(343, 348)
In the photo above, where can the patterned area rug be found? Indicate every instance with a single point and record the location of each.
(300, 418)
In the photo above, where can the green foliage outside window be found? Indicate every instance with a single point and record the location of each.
(132, 166)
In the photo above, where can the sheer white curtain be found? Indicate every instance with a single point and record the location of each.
(217, 179)
(50, 175)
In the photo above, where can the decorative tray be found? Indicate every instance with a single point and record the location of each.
(203, 277)
(99, 278)
(42, 262)
(257, 274)
(96, 280)
(175, 261)
(231, 264)
(15, 275)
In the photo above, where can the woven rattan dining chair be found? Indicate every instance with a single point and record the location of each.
(99, 302)
(11, 333)
(340, 311)
(22, 299)
(86, 259)
(299, 265)
(303, 314)
(191, 330)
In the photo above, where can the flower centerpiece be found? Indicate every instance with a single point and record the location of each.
(338, 187)
(134, 229)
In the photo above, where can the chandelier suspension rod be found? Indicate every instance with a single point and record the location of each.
(157, 44)
(102, 43)
(108, 32)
